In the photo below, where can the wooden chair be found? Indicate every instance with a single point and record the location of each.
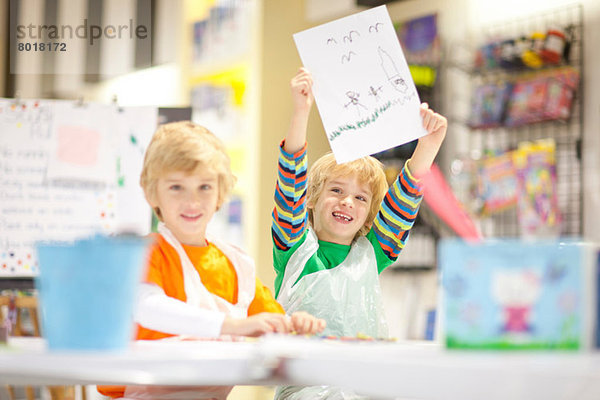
(29, 304)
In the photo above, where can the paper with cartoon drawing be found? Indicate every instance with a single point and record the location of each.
(362, 85)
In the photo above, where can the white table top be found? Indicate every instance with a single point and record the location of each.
(382, 370)
(27, 361)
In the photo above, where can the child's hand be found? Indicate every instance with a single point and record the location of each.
(301, 86)
(302, 95)
(428, 145)
(306, 324)
(256, 325)
(436, 125)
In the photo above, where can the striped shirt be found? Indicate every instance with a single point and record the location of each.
(388, 233)
(289, 214)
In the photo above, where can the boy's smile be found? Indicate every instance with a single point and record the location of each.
(187, 203)
(341, 209)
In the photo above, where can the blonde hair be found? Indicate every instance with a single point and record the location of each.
(368, 170)
(187, 147)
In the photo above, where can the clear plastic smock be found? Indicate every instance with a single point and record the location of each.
(348, 297)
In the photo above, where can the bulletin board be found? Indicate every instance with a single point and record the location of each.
(68, 170)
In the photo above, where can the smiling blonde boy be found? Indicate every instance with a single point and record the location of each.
(196, 285)
(356, 228)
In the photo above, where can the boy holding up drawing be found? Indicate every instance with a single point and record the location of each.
(337, 229)
(196, 285)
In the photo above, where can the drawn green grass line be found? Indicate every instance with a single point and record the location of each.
(370, 119)
(363, 122)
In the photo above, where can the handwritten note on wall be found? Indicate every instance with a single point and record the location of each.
(37, 203)
(362, 85)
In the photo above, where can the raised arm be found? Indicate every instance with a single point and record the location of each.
(302, 97)
(428, 145)
(400, 205)
(289, 214)
(397, 214)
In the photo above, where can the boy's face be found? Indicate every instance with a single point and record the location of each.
(341, 209)
(187, 203)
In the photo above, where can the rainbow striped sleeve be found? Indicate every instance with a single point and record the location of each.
(289, 214)
(397, 213)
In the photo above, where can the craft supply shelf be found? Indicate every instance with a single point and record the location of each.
(566, 133)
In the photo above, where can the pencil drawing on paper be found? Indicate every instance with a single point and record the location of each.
(349, 38)
(346, 57)
(376, 27)
(353, 97)
(370, 119)
(365, 88)
(391, 72)
(375, 92)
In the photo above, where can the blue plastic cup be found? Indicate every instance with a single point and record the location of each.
(87, 291)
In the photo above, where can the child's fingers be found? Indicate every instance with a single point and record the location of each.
(300, 325)
(304, 323)
(303, 85)
(287, 323)
(433, 121)
(427, 119)
(440, 122)
(322, 325)
(302, 80)
(437, 122)
(259, 327)
(315, 325)
(267, 327)
(297, 322)
(303, 72)
(279, 323)
(318, 325)
(308, 325)
(303, 75)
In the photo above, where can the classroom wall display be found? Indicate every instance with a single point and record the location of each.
(511, 294)
(68, 170)
(362, 85)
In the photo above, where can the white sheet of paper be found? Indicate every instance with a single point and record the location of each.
(362, 85)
